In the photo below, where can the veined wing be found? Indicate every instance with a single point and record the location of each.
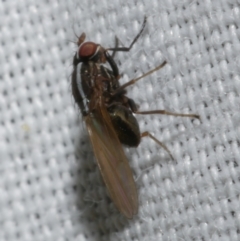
(112, 161)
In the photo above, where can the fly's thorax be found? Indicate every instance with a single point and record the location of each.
(92, 81)
(97, 76)
(125, 125)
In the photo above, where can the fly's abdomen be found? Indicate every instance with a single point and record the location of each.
(125, 125)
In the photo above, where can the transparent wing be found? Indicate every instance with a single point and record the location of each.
(112, 162)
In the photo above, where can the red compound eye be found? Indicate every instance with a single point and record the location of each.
(87, 50)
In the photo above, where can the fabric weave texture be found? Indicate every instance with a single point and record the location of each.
(50, 185)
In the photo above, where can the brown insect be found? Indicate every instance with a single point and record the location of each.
(108, 114)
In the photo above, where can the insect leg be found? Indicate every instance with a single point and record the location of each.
(116, 46)
(110, 59)
(146, 133)
(113, 64)
(133, 106)
(126, 49)
(133, 81)
(164, 112)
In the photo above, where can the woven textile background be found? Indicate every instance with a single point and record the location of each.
(50, 186)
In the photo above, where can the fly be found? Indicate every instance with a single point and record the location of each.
(108, 114)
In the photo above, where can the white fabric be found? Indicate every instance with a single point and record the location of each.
(50, 185)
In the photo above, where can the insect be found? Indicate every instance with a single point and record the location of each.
(108, 114)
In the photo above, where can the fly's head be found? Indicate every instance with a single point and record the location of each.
(89, 51)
